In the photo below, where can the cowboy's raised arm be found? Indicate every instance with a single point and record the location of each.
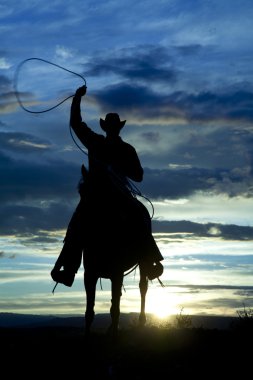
(75, 113)
(83, 132)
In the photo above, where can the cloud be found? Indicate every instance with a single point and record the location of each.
(151, 137)
(145, 104)
(8, 97)
(63, 52)
(144, 64)
(35, 194)
(189, 49)
(147, 83)
(5, 83)
(23, 143)
(31, 219)
(227, 232)
(4, 65)
(174, 184)
(30, 180)
(183, 182)
(134, 99)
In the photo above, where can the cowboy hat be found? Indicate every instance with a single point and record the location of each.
(111, 120)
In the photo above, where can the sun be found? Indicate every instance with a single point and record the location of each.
(159, 304)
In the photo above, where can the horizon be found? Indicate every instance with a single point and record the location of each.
(126, 320)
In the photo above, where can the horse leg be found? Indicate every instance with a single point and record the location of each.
(90, 281)
(116, 286)
(143, 286)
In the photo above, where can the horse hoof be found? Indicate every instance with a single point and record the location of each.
(142, 320)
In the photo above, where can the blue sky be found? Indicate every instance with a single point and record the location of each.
(180, 73)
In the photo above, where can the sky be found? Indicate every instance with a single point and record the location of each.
(180, 73)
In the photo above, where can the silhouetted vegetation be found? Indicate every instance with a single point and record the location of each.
(173, 350)
(182, 320)
(244, 322)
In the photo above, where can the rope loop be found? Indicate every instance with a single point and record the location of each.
(16, 78)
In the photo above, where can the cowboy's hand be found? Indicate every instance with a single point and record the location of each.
(81, 91)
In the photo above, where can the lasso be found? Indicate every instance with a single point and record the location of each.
(16, 78)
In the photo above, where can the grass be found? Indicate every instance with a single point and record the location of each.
(161, 352)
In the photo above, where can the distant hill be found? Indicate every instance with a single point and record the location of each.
(30, 320)
(102, 320)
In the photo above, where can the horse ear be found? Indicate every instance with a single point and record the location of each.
(84, 171)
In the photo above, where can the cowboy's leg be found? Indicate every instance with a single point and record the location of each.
(71, 254)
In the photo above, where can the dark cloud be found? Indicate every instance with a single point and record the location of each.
(222, 147)
(247, 292)
(166, 183)
(4, 160)
(146, 64)
(35, 196)
(28, 219)
(5, 83)
(29, 180)
(178, 183)
(210, 287)
(41, 237)
(151, 137)
(187, 50)
(138, 70)
(227, 232)
(201, 108)
(235, 105)
(8, 100)
(125, 97)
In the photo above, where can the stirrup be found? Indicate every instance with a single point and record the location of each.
(155, 271)
(63, 277)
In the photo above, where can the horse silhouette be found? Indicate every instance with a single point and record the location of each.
(117, 238)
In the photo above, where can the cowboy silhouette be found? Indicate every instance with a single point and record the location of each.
(108, 216)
